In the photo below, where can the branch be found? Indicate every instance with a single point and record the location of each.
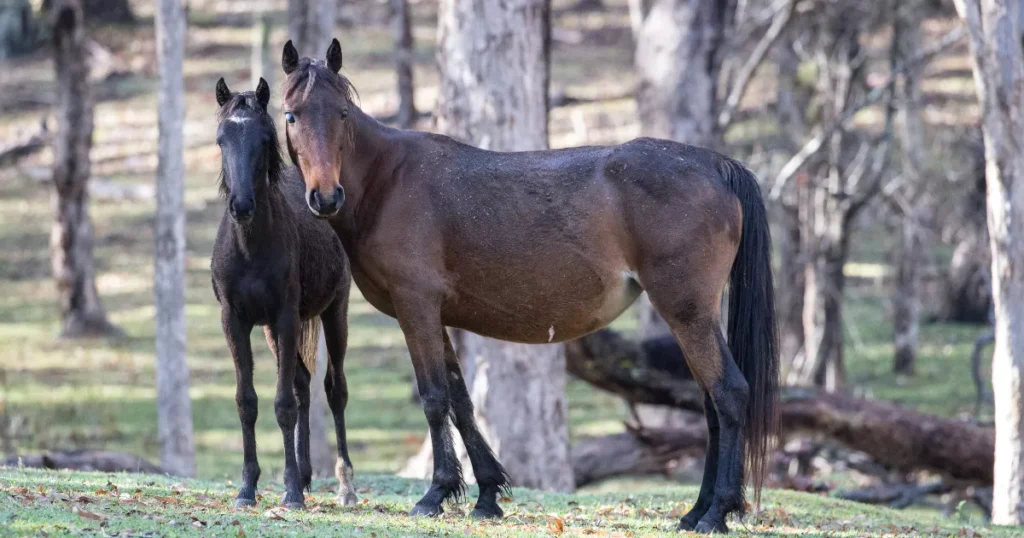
(746, 73)
(812, 146)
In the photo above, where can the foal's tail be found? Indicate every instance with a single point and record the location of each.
(309, 339)
(753, 336)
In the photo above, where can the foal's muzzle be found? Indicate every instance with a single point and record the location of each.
(325, 205)
(241, 210)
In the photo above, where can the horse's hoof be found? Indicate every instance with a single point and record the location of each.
(244, 503)
(711, 527)
(427, 510)
(487, 512)
(686, 524)
(293, 502)
(346, 499)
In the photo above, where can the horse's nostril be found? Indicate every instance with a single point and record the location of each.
(339, 196)
(313, 200)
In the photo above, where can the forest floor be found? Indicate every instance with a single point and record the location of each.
(41, 503)
(99, 394)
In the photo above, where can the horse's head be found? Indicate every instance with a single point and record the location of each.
(317, 100)
(250, 155)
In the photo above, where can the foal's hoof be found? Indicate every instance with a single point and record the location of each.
(487, 512)
(705, 526)
(293, 502)
(686, 524)
(244, 503)
(346, 499)
(428, 510)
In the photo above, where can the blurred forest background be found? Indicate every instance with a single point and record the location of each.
(861, 119)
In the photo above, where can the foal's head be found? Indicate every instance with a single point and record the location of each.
(250, 155)
(317, 101)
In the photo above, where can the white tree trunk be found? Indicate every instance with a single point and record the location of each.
(494, 61)
(263, 63)
(174, 410)
(311, 25)
(999, 75)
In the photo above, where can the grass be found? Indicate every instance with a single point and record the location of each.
(40, 503)
(88, 394)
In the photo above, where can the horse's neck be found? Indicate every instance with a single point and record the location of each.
(371, 142)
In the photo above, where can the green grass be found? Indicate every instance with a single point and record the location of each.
(39, 503)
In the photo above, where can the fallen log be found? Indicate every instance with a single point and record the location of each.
(898, 438)
(86, 460)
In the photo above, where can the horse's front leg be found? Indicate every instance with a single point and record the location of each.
(237, 334)
(285, 333)
(419, 315)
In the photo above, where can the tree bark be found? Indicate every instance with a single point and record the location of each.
(262, 62)
(311, 25)
(494, 59)
(998, 62)
(174, 409)
(401, 29)
(71, 235)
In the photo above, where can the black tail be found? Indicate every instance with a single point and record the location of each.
(753, 335)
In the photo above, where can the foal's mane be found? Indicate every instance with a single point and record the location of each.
(247, 104)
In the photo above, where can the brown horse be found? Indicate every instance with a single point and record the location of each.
(546, 246)
(276, 265)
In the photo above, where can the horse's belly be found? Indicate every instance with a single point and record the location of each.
(557, 318)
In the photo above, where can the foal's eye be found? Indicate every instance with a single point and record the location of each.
(289, 117)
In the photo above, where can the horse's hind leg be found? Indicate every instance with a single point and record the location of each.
(302, 377)
(237, 334)
(695, 325)
(490, 475)
(335, 326)
(707, 483)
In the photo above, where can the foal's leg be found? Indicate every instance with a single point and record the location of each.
(707, 483)
(285, 333)
(237, 334)
(420, 319)
(335, 327)
(302, 377)
(490, 475)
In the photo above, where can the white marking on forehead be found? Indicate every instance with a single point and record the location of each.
(551, 333)
(238, 119)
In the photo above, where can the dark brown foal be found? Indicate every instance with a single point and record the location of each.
(276, 265)
(546, 246)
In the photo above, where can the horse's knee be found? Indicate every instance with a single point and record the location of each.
(248, 406)
(731, 394)
(436, 405)
(285, 408)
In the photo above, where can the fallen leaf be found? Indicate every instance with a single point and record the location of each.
(276, 513)
(556, 524)
(87, 514)
(241, 533)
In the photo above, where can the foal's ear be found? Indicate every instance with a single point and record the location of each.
(263, 94)
(223, 93)
(289, 58)
(334, 56)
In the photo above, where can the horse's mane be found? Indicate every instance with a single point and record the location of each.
(309, 72)
(246, 102)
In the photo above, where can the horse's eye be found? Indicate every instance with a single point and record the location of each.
(344, 113)
(289, 117)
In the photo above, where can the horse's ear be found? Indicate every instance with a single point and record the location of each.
(289, 58)
(223, 93)
(334, 56)
(263, 94)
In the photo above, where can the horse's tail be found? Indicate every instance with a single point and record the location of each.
(309, 340)
(753, 335)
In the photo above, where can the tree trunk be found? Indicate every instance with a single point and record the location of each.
(998, 63)
(678, 60)
(968, 295)
(174, 409)
(909, 248)
(263, 63)
(20, 31)
(494, 59)
(654, 373)
(116, 11)
(71, 235)
(321, 456)
(405, 50)
(311, 25)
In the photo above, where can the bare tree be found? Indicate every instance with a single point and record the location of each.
(71, 236)
(174, 409)
(494, 61)
(998, 62)
(311, 25)
(401, 29)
